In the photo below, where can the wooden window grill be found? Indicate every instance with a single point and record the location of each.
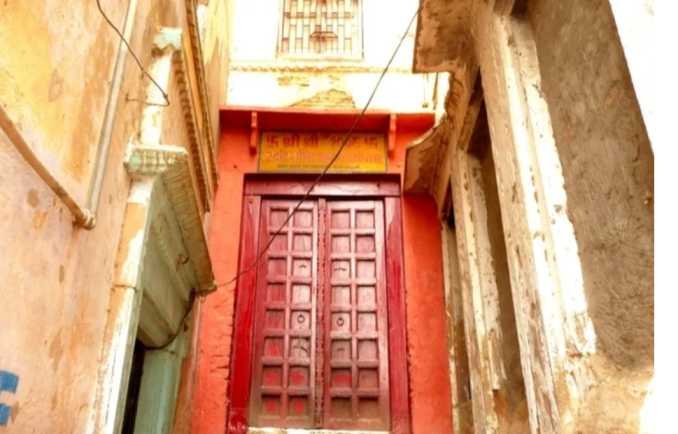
(321, 28)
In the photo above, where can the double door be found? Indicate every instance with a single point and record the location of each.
(320, 321)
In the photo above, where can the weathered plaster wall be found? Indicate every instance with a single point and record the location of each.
(608, 169)
(574, 183)
(259, 77)
(443, 42)
(54, 84)
(57, 289)
(429, 378)
(462, 411)
(399, 91)
(55, 297)
(510, 402)
(216, 41)
(174, 136)
(635, 24)
(42, 45)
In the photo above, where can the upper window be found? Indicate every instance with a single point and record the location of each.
(321, 28)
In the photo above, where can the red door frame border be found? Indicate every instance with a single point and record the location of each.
(382, 186)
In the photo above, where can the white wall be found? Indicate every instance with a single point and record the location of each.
(259, 77)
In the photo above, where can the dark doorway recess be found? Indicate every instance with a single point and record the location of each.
(132, 401)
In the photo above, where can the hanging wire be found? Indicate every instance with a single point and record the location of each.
(316, 181)
(134, 56)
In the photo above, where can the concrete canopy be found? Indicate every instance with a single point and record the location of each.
(442, 41)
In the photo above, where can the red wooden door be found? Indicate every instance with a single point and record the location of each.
(283, 382)
(356, 392)
(320, 341)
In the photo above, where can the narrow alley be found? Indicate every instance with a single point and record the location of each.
(326, 217)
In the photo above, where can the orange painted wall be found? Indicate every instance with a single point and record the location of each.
(430, 389)
(216, 323)
(429, 379)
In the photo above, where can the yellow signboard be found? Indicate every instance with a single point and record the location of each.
(311, 152)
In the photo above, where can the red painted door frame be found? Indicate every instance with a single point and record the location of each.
(384, 187)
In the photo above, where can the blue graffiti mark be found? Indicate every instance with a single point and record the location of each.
(8, 383)
(5, 412)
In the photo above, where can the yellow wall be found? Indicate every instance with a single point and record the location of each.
(55, 71)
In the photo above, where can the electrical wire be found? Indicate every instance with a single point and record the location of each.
(301, 201)
(134, 56)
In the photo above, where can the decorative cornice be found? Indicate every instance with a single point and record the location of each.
(170, 51)
(311, 67)
(190, 117)
(153, 160)
(199, 64)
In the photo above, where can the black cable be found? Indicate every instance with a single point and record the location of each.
(136, 59)
(260, 255)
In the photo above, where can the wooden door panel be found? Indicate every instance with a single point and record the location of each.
(356, 382)
(331, 344)
(350, 369)
(283, 382)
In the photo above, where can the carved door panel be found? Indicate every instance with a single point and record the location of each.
(356, 381)
(320, 339)
(283, 382)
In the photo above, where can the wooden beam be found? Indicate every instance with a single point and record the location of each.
(392, 124)
(383, 185)
(254, 133)
(471, 246)
(462, 418)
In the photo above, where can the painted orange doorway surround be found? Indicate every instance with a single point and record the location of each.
(429, 386)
